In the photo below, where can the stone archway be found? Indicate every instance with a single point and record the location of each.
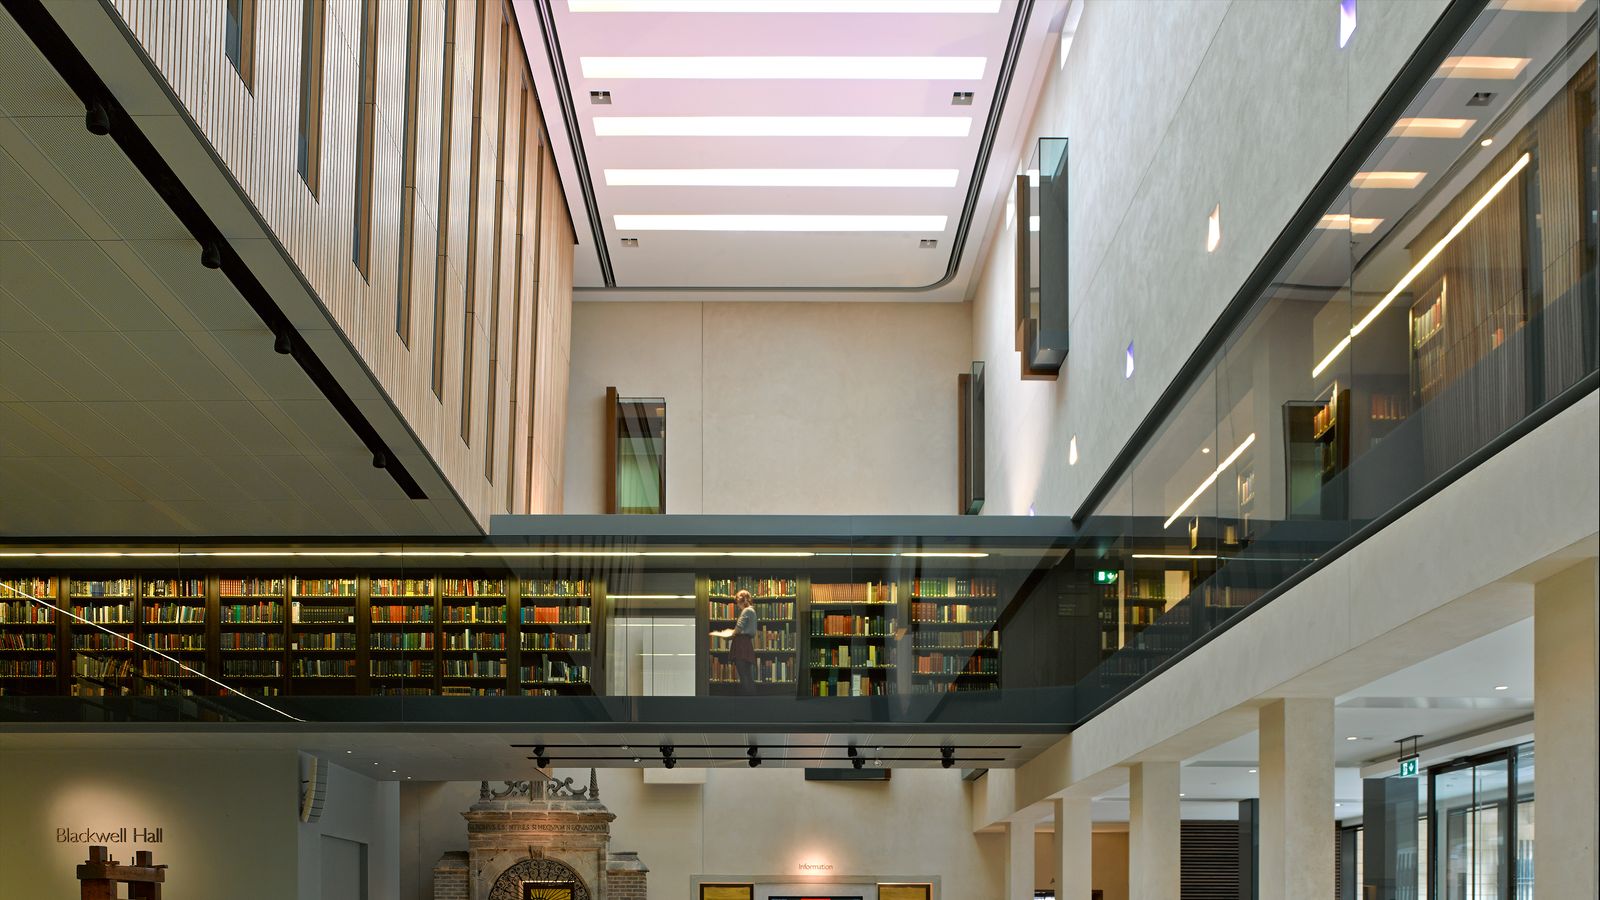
(509, 885)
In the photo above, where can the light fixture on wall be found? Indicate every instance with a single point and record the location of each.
(1127, 367)
(667, 759)
(755, 756)
(1214, 229)
(1072, 451)
(1347, 21)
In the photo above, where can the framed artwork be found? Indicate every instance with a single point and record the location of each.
(547, 890)
(727, 891)
(905, 892)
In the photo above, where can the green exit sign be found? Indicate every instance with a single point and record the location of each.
(1105, 576)
(1408, 767)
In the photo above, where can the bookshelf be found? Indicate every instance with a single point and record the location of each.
(108, 661)
(323, 634)
(173, 620)
(777, 644)
(473, 651)
(29, 638)
(555, 632)
(401, 641)
(251, 622)
(848, 640)
(955, 645)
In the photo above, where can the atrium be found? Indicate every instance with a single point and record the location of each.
(1119, 449)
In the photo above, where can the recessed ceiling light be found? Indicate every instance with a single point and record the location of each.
(1352, 738)
(1252, 771)
(1368, 181)
(1347, 222)
(872, 178)
(714, 222)
(630, 242)
(347, 752)
(782, 126)
(765, 68)
(600, 98)
(1205, 449)
(1481, 98)
(961, 98)
(785, 6)
(1337, 805)
(928, 243)
(1502, 687)
(1486, 142)
(1182, 795)
(1423, 127)
(1488, 68)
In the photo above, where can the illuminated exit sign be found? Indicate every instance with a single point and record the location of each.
(1408, 767)
(1105, 576)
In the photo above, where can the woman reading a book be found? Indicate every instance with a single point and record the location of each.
(742, 650)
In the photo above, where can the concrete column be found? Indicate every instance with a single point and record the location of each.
(1074, 849)
(1565, 672)
(1296, 853)
(1019, 860)
(1154, 831)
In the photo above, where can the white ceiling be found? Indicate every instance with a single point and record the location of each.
(784, 264)
(139, 393)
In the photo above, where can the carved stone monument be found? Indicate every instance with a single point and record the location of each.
(539, 840)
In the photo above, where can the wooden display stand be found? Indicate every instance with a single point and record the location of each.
(101, 875)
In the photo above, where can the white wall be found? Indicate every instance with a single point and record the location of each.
(760, 825)
(1171, 107)
(227, 819)
(777, 407)
(361, 810)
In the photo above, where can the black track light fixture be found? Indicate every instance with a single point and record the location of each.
(380, 460)
(947, 756)
(852, 752)
(211, 255)
(96, 119)
(857, 761)
(755, 756)
(282, 342)
(540, 757)
(667, 759)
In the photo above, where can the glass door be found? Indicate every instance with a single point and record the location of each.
(1473, 828)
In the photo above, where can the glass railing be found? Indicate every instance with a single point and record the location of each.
(1439, 304)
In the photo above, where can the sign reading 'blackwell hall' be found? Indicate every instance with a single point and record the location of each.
(119, 836)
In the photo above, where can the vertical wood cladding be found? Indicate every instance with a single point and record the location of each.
(487, 202)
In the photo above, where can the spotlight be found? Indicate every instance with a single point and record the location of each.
(667, 759)
(282, 342)
(857, 761)
(540, 757)
(380, 460)
(210, 255)
(755, 757)
(948, 754)
(96, 119)
(852, 752)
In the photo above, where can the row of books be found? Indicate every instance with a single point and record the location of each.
(956, 640)
(25, 612)
(252, 613)
(42, 588)
(555, 671)
(250, 640)
(326, 587)
(401, 587)
(106, 614)
(472, 587)
(27, 668)
(556, 615)
(252, 668)
(155, 667)
(557, 640)
(112, 587)
(556, 587)
(1143, 615)
(474, 668)
(172, 613)
(772, 671)
(769, 610)
(401, 640)
(475, 640)
(192, 588)
(99, 667)
(856, 592)
(957, 613)
(871, 655)
(765, 639)
(168, 640)
(855, 684)
(313, 614)
(99, 640)
(956, 664)
(954, 587)
(472, 614)
(837, 624)
(402, 613)
(1324, 417)
(758, 587)
(333, 640)
(250, 587)
(27, 640)
(410, 668)
(324, 668)
(951, 687)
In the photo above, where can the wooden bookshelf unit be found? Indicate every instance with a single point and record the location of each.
(777, 640)
(852, 625)
(955, 644)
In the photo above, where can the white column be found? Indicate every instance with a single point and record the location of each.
(1565, 672)
(1153, 831)
(1074, 849)
(1296, 750)
(1019, 860)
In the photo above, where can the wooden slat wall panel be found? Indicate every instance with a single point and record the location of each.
(254, 135)
(1209, 862)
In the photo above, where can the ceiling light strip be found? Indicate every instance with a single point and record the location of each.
(128, 640)
(1210, 480)
(810, 223)
(782, 126)
(766, 68)
(1424, 262)
(785, 6)
(832, 178)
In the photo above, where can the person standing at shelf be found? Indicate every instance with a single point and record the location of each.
(742, 650)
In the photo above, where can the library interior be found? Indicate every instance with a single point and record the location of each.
(1120, 449)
